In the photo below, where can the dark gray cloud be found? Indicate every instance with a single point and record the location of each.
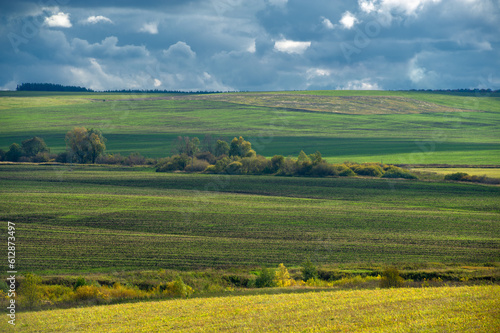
(251, 45)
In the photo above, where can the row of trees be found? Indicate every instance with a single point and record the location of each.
(83, 146)
(237, 157)
(50, 87)
(211, 155)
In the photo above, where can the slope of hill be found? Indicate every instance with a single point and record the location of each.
(396, 127)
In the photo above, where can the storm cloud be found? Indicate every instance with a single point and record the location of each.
(251, 45)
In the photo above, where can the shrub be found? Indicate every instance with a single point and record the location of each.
(323, 170)
(178, 288)
(309, 271)
(29, 289)
(234, 168)
(288, 167)
(14, 153)
(176, 162)
(92, 292)
(255, 165)
(119, 291)
(110, 159)
(266, 278)
(64, 157)
(197, 166)
(276, 162)
(210, 169)
(207, 156)
(456, 176)
(390, 278)
(80, 281)
(57, 293)
(344, 171)
(41, 157)
(135, 159)
(371, 170)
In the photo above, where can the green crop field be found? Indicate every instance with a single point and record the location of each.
(86, 218)
(393, 127)
(444, 309)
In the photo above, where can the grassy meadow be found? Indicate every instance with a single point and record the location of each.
(84, 218)
(393, 127)
(443, 309)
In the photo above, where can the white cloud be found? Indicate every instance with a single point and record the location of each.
(151, 28)
(409, 7)
(157, 83)
(252, 48)
(420, 75)
(58, 20)
(179, 51)
(291, 46)
(367, 6)
(317, 72)
(97, 19)
(364, 84)
(348, 20)
(327, 23)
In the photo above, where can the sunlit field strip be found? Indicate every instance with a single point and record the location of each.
(443, 309)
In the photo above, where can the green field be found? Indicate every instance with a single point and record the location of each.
(444, 309)
(87, 218)
(489, 172)
(393, 127)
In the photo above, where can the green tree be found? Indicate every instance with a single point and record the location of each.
(85, 145)
(303, 158)
(316, 158)
(208, 144)
(221, 148)
(277, 162)
(185, 145)
(391, 278)
(266, 278)
(97, 143)
(309, 271)
(34, 146)
(29, 289)
(14, 154)
(241, 147)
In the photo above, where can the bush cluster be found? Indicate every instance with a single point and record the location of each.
(238, 158)
(464, 177)
(36, 150)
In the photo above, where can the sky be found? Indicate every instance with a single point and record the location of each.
(251, 45)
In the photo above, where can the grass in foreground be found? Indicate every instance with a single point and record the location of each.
(443, 309)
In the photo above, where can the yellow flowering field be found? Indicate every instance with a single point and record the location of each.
(442, 309)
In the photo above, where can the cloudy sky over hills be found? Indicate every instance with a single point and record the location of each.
(251, 44)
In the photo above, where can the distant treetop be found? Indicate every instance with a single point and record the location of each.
(49, 87)
(60, 87)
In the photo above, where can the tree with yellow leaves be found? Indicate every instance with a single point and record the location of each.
(282, 277)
